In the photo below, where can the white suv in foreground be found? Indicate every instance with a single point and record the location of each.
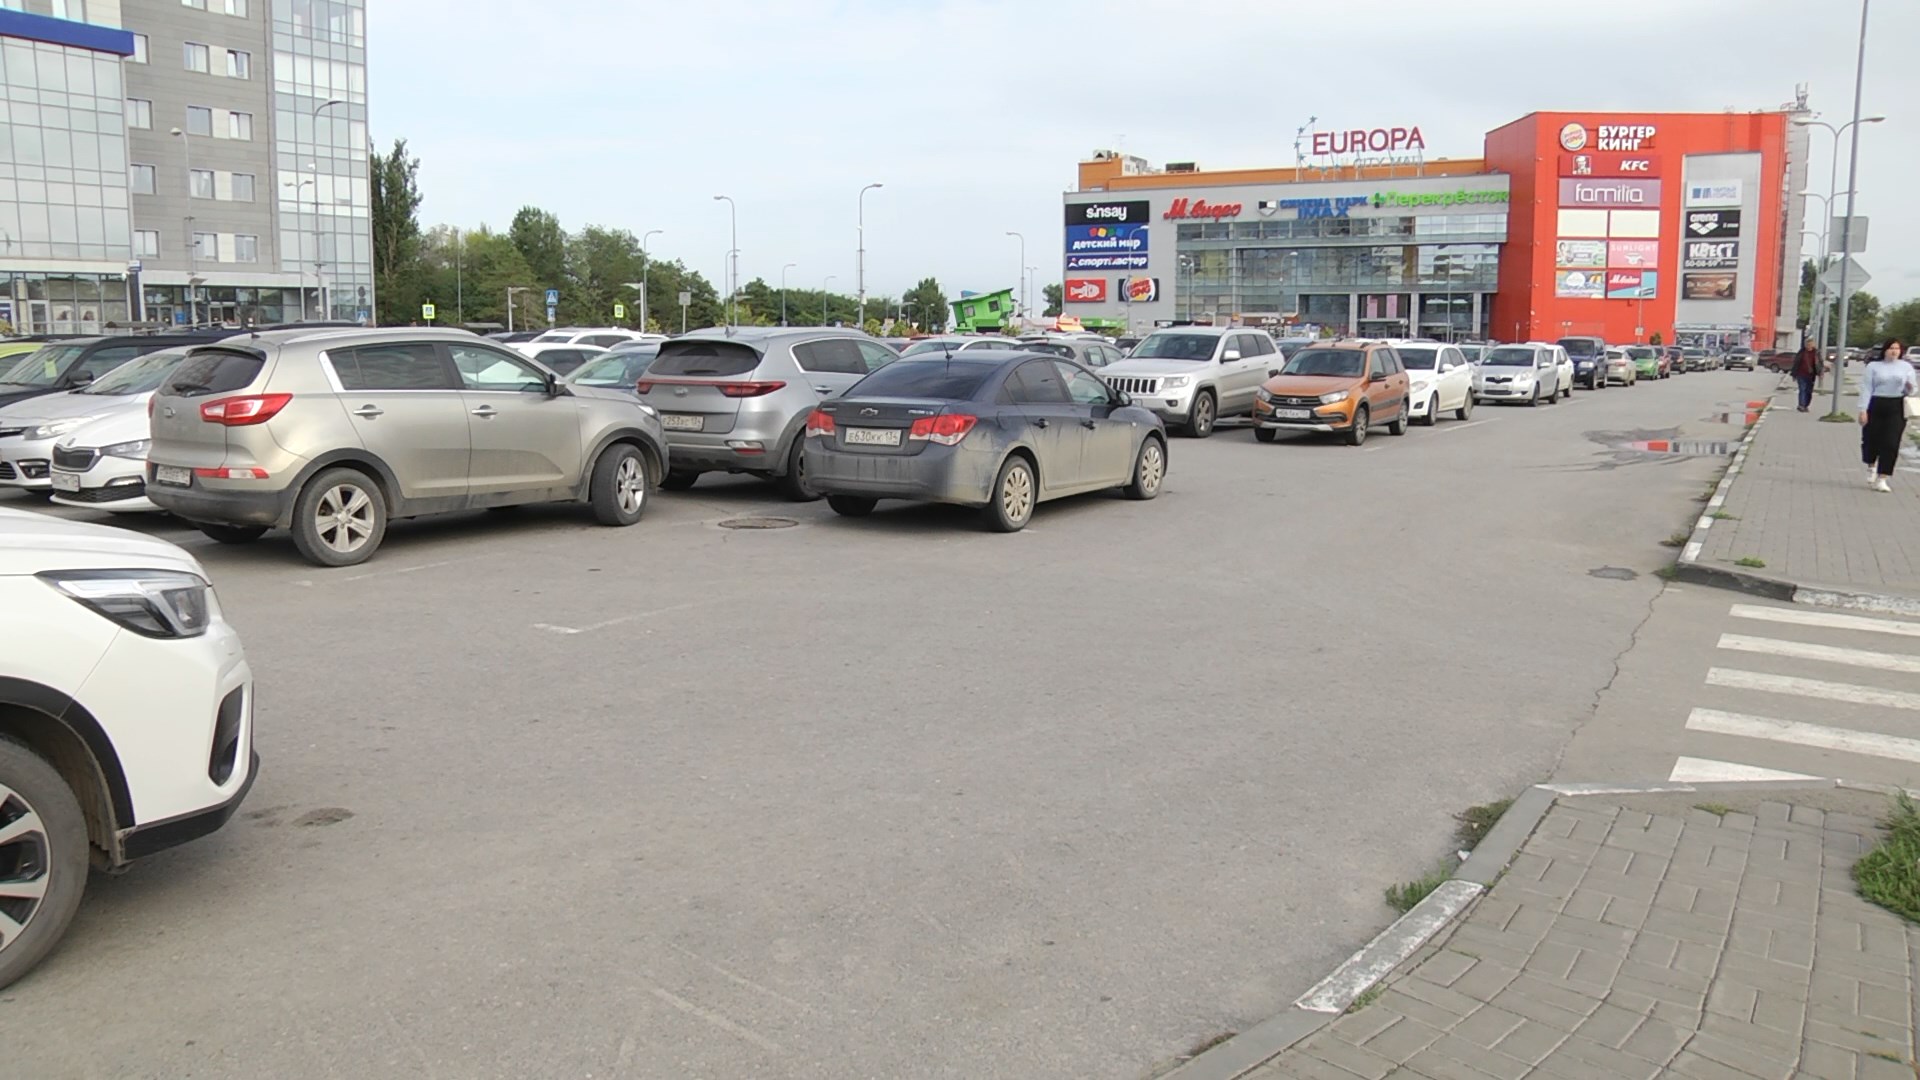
(126, 716)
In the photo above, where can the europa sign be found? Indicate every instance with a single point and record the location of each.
(1183, 209)
(1367, 141)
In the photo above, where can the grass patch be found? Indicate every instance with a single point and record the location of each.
(1887, 1055)
(1205, 1045)
(1668, 572)
(1366, 998)
(1722, 515)
(1889, 875)
(1837, 418)
(1718, 810)
(1403, 897)
(1678, 539)
(1750, 562)
(1477, 821)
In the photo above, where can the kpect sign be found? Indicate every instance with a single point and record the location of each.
(1710, 255)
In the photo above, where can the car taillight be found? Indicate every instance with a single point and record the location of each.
(242, 411)
(642, 387)
(819, 423)
(227, 472)
(149, 408)
(748, 389)
(946, 430)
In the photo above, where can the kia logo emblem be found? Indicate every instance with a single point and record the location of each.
(680, 391)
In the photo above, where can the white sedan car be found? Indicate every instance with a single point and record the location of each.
(126, 716)
(102, 464)
(563, 358)
(1440, 380)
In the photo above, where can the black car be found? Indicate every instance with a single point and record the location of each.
(1589, 355)
(74, 362)
(999, 429)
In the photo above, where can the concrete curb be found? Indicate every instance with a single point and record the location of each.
(1330, 998)
(1688, 568)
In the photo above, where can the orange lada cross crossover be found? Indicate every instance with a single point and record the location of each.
(1336, 386)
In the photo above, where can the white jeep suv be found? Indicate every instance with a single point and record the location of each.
(1194, 375)
(126, 716)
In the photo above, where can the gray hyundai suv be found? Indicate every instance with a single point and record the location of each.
(737, 400)
(330, 433)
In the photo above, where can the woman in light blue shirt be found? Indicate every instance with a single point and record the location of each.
(1884, 387)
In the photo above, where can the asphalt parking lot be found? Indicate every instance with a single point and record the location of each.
(894, 797)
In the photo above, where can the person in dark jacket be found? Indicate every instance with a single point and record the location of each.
(1806, 370)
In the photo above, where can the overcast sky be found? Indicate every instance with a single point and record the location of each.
(635, 113)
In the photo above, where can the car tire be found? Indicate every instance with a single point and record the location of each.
(1265, 434)
(678, 481)
(1534, 401)
(1015, 492)
(1149, 469)
(234, 534)
(1566, 391)
(1433, 412)
(1398, 425)
(852, 505)
(1205, 411)
(1466, 408)
(620, 485)
(1357, 431)
(55, 853)
(793, 482)
(355, 505)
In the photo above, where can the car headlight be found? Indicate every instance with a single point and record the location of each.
(136, 449)
(1334, 398)
(1523, 379)
(1263, 394)
(57, 428)
(1175, 382)
(151, 603)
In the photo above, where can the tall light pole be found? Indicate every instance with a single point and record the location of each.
(1023, 262)
(783, 291)
(643, 275)
(459, 280)
(1846, 228)
(297, 264)
(511, 289)
(733, 254)
(823, 299)
(1817, 311)
(642, 286)
(186, 145)
(904, 312)
(860, 261)
(319, 281)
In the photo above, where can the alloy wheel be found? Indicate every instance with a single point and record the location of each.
(24, 861)
(1153, 466)
(343, 518)
(1016, 494)
(630, 485)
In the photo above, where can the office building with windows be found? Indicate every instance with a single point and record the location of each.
(242, 159)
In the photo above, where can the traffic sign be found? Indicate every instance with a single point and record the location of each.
(1857, 278)
(426, 312)
(553, 297)
(685, 298)
(550, 314)
(1856, 235)
(619, 311)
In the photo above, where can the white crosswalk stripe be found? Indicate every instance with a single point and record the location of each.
(1812, 693)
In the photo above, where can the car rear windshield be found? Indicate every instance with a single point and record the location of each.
(213, 371)
(621, 369)
(1348, 363)
(931, 378)
(1643, 352)
(1580, 347)
(1048, 347)
(720, 358)
(137, 376)
(1511, 357)
(1175, 347)
(1423, 359)
(42, 367)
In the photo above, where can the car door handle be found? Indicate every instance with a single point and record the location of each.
(484, 411)
(823, 389)
(1088, 424)
(369, 411)
(1040, 421)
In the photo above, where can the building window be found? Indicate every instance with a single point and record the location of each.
(139, 49)
(206, 246)
(239, 64)
(146, 243)
(139, 113)
(199, 120)
(200, 4)
(202, 186)
(240, 126)
(197, 57)
(142, 179)
(242, 187)
(238, 8)
(246, 249)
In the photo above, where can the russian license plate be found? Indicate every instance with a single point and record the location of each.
(682, 421)
(1292, 414)
(172, 474)
(868, 436)
(66, 481)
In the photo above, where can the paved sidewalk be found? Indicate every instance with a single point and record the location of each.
(1801, 505)
(1638, 936)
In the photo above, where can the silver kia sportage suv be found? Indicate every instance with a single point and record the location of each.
(737, 400)
(330, 433)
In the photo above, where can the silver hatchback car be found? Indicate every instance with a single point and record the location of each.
(737, 400)
(332, 432)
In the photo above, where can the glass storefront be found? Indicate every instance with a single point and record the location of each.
(221, 305)
(63, 303)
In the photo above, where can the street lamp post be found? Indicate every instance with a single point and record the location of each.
(511, 289)
(860, 261)
(733, 254)
(900, 312)
(319, 279)
(299, 266)
(1846, 223)
(643, 275)
(823, 300)
(642, 286)
(1021, 280)
(783, 291)
(186, 145)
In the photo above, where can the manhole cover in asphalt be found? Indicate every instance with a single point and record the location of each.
(759, 523)
(1613, 573)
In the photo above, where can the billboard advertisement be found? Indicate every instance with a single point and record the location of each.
(1632, 284)
(1715, 285)
(1139, 290)
(1580, 253)
(1579, 284)
(1609, 194)
(1633, 254)
(1714, 192)
(1130, 212)
(1092, 290)
(1708, 224)
(1128, 261)
(1106, 239)
(1710, 255)
(1622, 165)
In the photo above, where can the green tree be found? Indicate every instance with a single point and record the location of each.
(395, 205)
(1052, 295)
(929, 304)
(1809, 273)
(1902, 321)
(544, 245)
(467, 275)
(600, 262)
(1863, 319)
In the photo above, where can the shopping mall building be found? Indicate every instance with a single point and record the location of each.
(1610, 224)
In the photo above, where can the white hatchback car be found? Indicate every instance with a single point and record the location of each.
(126, 716)
(1531, 373)
(1439, 380)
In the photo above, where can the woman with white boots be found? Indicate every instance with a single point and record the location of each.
(1884, 390)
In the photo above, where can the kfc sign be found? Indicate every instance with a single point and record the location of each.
(1086, 290)
(1183, 209)
(1623, 166)
(1363, 141)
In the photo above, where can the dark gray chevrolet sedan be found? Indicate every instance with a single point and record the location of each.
(1003, 430)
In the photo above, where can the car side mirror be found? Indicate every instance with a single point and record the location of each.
(1230, 354)
(1272, 372)
(1122, 399)
(82, 378)
(551, 383)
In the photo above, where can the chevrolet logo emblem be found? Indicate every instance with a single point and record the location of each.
(869, 412)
